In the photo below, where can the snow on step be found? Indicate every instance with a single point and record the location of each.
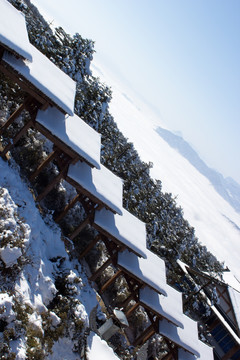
(206, 353)
(169, 307)
(187, 338)
(73, 132)
(150, 271)
(46, 77)
(13, 31)
(99, 349)
(125, 228)
(101, 185)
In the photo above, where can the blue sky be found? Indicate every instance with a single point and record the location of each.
(181, 56)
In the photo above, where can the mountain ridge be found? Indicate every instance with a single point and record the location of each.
(227, 187)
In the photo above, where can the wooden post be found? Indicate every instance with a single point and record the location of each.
(69, 206)
(173, 351)
(50, 157)
(16, 138)
(110, 281)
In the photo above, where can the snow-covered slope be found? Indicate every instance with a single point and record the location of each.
(34, 256)
(227, 188)
(216, 223)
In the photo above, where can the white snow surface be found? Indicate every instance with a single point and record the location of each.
(13, 30)
(98, 349)
(211, 216)
(9, 255)
(231, 280)
(235, 298)
(126, 228)
(187, 338)
(46, 77)
(74, 132)
(206, 352)
(6, 305)
(151, 270)
(100, 183)
(169, 307)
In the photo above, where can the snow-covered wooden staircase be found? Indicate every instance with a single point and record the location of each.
(49, 100)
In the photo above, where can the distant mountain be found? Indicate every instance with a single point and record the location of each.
(228, 188)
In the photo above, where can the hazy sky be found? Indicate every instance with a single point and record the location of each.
(181, 56)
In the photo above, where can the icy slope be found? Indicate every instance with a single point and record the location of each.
(216, 223)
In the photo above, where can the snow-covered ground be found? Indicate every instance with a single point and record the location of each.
(37, 253)
(216, 223)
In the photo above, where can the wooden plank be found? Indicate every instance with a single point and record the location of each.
(155, 323)
(16, 138)
(50, 157)
(145, 336)
(94, 276)
(69, 206)
(132, 309)
(89, 247)
(110, 281)
(51, 185)
(124, 303)
(14, 115)
(80, 228)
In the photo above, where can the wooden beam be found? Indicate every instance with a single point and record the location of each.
(16, 138)
(94, 276)
(110, 281)
(45, 162)
(89, 247)
(132, 309)
(155, 323)
(51, 185)
(14, 115)
(131, 297)
(145, 336)
(80, 228)
(69, 206)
